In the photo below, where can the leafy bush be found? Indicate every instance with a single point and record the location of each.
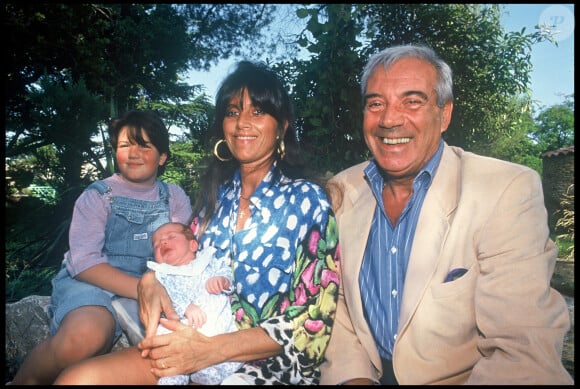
(565, 224)
(30, 281)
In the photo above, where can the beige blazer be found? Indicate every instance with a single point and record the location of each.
(500, 323)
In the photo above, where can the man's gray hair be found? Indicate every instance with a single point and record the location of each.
(390, 55)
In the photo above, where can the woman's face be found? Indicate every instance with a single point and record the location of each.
(251, 134)
(138, 164)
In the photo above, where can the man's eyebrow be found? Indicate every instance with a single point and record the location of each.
(372, 96)
(416, 92)
(405, 94)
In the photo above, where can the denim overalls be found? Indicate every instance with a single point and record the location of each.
(127, 245)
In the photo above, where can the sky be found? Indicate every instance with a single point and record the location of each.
(552, 76)
(553, 67)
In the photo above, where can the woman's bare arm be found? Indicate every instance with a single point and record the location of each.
(185, 350)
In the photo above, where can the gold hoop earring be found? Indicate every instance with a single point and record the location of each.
(282, 149)
(216, 152)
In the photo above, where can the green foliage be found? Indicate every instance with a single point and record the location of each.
(70, 67)
(565, 224)
(19, 175)
(124, 51)
(30, 281)
(36, 237)
(185, 166)
(516, 145)
(194, 116)
(326, 88)
(63, 117)
(491, 69)
(555, 126)
(528, 139)
(66, 61)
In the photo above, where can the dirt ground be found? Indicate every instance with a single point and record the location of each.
(563, 278)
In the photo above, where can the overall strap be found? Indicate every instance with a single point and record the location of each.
(163, 191)
(100, 186)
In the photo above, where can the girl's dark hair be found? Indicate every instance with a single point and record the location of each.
(267, 92)
(137, 121)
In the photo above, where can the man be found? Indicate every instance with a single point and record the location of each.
(446, 256)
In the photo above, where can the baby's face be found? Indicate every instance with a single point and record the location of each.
(172, 247)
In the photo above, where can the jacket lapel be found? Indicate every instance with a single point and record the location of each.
(432, 228)
(355, 219)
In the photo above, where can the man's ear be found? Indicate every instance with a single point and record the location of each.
(446, 116)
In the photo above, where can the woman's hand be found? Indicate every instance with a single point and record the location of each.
(153, 299)
(183, 351)
(186, 350)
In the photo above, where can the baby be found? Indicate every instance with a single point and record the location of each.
(195, 283)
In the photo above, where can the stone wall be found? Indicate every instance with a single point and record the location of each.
(558, 175)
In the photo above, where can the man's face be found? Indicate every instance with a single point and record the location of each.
(402, 123)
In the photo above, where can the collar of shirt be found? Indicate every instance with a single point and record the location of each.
(273, 177)
(382, 275)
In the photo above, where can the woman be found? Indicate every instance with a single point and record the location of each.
(277, 231)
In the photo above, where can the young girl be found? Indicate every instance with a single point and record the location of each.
(110, 243)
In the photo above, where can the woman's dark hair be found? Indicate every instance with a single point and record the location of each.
(267, 92)
(150, 123)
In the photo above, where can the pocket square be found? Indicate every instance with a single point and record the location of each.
(455, 274)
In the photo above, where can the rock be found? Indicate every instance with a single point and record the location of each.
(570, 303)
(26, 326)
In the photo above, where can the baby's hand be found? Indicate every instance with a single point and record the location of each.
(195, 316)
(216, 284)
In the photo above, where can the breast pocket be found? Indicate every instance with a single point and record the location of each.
(452, 306)
(463, 285)
(128, 234)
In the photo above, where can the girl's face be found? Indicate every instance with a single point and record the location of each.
(251, 134)
(138, 164)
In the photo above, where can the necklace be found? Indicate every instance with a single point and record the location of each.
(244, 213)
(244, 209)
